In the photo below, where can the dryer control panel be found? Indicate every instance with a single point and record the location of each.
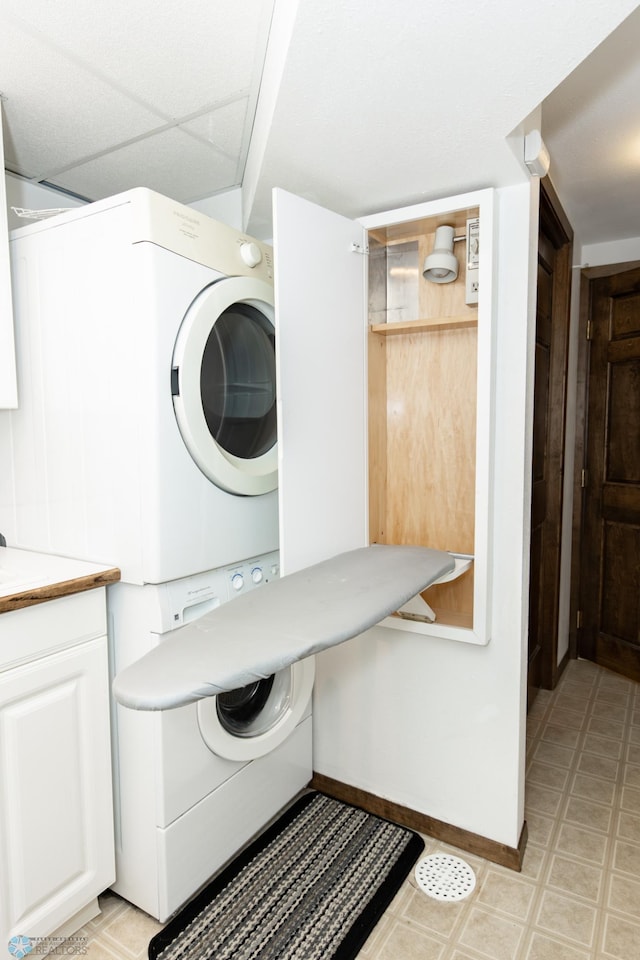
(189, 233)
(183, 601)
(251, 573)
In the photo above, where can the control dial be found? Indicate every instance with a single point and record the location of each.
(251, 254)
(257, 575)
(237, 581)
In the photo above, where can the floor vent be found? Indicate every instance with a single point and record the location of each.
(444, 877)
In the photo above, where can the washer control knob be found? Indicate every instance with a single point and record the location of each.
(237, 581)
(257, 575)
(251, 254)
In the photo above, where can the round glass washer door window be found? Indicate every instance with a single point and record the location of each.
(224, 385)
(253, 720)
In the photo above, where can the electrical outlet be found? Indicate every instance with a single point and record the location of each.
(473, 260)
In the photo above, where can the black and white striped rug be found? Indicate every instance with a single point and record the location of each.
(312, 887)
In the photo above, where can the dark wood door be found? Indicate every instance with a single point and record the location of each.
(610, 556)
(552, 325)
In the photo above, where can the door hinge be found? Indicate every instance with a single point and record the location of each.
(584, 478)
(362, 248)
(589, 329)
(579, 620)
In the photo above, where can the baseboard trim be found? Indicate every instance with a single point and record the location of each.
(510, 857)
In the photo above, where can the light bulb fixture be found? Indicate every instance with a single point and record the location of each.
(441, 266)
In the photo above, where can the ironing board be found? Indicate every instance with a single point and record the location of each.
(284, 621)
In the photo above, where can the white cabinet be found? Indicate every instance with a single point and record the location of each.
(386, 394)
(8, 387)
(56, 818)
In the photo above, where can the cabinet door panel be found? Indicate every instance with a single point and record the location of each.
(56, 826)
(321, 349)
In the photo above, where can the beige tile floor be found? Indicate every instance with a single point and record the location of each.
(578, 896)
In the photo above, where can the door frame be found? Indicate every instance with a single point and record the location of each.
(587, 275)
(560, 232)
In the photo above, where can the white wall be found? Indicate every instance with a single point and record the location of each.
(433, 724)
(611, 251)
(226, 207)
(32, 196)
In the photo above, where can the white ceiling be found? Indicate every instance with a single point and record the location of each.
(364, 106)
(101, 97)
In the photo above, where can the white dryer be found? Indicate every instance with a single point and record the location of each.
(192, 785)
(146, 432)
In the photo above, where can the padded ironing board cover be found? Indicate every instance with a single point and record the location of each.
(286, 620)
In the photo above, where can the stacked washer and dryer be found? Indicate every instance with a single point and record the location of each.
(146, 438)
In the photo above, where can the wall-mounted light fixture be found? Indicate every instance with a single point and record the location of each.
(536, 155)
(441, 266)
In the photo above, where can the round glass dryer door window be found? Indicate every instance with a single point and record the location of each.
(224, 385)
(253, 720)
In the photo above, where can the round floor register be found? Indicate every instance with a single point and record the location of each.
(444, 877)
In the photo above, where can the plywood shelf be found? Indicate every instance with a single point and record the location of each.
(452, 618)
(435, 323)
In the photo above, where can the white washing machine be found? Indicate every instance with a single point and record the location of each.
(146, 431)
(192, 785)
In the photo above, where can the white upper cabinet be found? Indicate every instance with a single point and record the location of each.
(8, 385)
(385, 386)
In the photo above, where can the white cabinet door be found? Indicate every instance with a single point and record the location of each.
(56, 820)
(321, 328)
(8, 388)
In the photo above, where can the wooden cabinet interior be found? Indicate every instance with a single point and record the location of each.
(422, 404)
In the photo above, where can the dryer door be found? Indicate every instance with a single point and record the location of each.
(224, 385)
(252, 721)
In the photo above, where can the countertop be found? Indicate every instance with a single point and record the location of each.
(27, 578)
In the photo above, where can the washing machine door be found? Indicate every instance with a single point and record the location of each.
(224, 385)
(253, 720)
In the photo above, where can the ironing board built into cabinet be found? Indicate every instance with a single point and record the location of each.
(286, 620)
